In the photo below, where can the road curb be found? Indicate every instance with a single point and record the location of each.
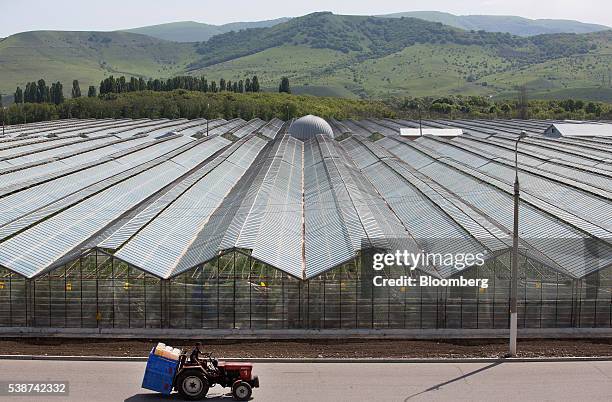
(326, 360)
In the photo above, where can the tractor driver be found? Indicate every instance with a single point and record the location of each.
(195, 353)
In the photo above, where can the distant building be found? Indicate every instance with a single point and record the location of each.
(579, 129)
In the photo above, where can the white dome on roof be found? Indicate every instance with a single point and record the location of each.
(309, 126)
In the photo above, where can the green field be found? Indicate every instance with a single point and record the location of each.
(301, 64)
(421, 70)
(87, 57)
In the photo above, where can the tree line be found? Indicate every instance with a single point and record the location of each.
(40, 92)
(484, 108)
(196, 104)
(200, 84)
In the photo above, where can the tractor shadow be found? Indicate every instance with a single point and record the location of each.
(176, 397)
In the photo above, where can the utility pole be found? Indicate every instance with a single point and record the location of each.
(420, 121)
(515, 253)
(207, 117)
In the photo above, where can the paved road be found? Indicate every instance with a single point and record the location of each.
(320, 382)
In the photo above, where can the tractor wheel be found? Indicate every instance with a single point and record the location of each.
(192, 385)
(242, 391)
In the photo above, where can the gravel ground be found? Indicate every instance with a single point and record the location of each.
(313, 348)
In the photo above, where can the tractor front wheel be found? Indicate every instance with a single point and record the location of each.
(192, 385)
(242, 391)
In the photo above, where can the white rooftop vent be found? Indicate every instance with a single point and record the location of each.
(558, 130)
(434, 132)
(309, 126)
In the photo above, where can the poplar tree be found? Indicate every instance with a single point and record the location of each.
(255, 84)
(56, 93)
(42, 92)
(76, 89)
(18, 95)
(284, 86)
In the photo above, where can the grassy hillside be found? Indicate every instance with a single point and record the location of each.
(87, 56)
(302, 64)
(368, 57)
(330, 55)
(371, 37)
(365, 37)
(190, 31)
(503, 23)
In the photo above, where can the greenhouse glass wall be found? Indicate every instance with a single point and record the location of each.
(235, 291)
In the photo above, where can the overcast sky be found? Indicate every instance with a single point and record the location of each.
(105, 15)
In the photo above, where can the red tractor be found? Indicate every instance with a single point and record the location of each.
(200, 371)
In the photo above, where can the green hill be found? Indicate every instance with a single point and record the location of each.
(503, 23)
(184, 31)
(331, 55)
(379, 57)
(373, 37)
(86, 56)
(190, 31)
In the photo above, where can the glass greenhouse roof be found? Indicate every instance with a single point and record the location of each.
(164, 197)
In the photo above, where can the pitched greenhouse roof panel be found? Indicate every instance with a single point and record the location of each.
(165, 197)
(161, 244)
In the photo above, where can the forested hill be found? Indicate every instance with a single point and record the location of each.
(372, 37)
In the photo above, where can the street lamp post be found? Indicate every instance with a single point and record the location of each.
(420, 121)
(515, 252)
(207, 117)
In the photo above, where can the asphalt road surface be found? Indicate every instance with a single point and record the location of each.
(119, 381)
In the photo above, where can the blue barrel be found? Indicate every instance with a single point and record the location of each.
(159, 373)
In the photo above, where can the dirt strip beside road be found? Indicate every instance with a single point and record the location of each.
(473, 348)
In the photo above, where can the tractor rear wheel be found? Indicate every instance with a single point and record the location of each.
(242, 391)
(192, 385)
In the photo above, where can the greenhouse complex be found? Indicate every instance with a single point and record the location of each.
(232, 225)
